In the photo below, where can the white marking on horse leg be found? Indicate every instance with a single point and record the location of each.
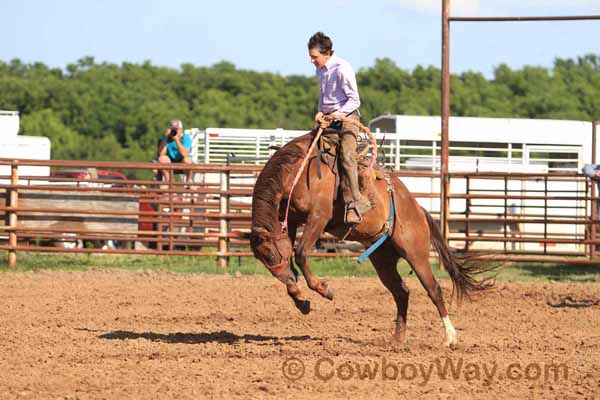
(451, 337)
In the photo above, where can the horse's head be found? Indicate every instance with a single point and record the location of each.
(273, 249)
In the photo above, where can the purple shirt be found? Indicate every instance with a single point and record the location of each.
(339, 92)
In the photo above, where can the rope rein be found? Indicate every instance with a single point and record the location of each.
(297, 178)
(323, 126)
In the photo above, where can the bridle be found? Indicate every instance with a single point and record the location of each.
(276, 239)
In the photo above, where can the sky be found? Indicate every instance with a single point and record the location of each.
(271, 35)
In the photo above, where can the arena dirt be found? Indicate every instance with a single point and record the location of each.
(120, 334)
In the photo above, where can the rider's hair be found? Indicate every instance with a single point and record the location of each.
(321, 42)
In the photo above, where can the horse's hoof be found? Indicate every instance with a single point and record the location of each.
(451, 343)
(303, 306)
(328, 293)
(399, 338)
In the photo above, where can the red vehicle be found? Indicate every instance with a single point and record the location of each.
(83, 174)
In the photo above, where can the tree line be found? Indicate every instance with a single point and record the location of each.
(104, 111)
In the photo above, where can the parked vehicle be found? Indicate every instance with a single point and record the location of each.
(80, 175)
(83, 174)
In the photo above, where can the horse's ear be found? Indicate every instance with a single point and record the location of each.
(241, 235)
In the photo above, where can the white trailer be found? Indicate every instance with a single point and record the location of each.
(561, 145)
(498, 145)
(21, 147)
(9, 123)
(476, 144)
(414, 141)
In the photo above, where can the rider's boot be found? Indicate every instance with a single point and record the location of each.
(359, 204)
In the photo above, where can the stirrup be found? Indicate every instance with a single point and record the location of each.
(352, 211)
(356, 209)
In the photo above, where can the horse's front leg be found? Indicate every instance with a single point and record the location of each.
(289, 277)
(290, 280)
(313, 229)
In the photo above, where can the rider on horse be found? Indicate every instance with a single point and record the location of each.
(339, 98)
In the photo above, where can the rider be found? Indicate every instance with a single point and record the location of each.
(339, 98)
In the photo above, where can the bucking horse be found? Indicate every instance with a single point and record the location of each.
(403, 228)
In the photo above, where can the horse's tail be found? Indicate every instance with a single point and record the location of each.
(462, 269)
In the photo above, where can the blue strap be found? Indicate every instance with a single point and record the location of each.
(374, 246)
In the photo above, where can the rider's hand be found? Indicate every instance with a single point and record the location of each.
(332, 117)
(320, 121)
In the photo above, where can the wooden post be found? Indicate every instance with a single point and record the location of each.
(12, 215)
(222, 260)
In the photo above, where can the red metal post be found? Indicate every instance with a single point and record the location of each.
(171, 207)
(467, 214)
(445, 111)
(13, 198)
(505, 225)
(223, 260)
(594, 210)
(528, 18)
(545, 214)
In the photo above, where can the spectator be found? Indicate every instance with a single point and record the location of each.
(91, 174)
(592, 171)
(175, 147)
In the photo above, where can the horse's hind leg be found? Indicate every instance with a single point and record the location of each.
(419, 261)
(312, 230)
(385, 260)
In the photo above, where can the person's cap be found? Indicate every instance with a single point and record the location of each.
(176, 124)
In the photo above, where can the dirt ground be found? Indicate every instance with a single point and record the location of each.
(121, 334)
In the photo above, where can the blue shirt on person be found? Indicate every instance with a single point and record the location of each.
(590, 170)
(173, 151)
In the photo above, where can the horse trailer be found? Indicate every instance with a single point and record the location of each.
(413, 143)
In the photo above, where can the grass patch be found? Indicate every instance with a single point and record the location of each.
(326, 267)
(543, 272)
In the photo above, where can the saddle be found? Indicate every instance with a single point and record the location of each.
(328, 153)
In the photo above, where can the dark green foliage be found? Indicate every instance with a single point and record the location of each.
(101, 111)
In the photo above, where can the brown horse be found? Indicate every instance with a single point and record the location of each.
(313, 205)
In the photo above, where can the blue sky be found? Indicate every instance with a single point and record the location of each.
(269, 35)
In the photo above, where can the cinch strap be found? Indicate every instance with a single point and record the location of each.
(374, 246)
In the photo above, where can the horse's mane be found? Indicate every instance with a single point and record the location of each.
(269, 185)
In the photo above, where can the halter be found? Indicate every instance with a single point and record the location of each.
(275, 238)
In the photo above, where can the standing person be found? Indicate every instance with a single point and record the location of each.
(339, 98)
(592, 171)
(175, 147)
